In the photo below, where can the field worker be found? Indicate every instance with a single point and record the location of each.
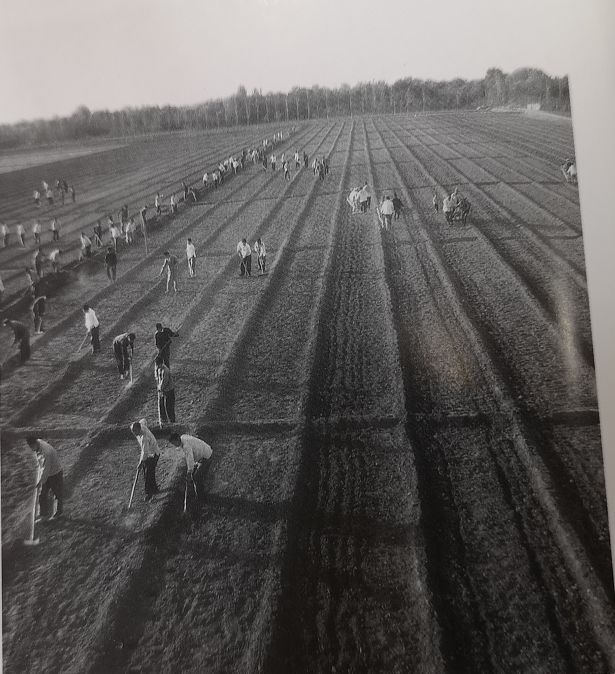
(364, 198)
(115, 235)
(86, 245)
(49, 476)
(173, 204)
(49, 195)
(261, 254)
(44, 185)
(38, 312)
(325, 163)
(387, 209)
(235, 166)
(306, 159)
(111, 263)
(157, 203)
(455, 198)
(286, 171)
(353, 199)
(37, 198)
(71, 189)
(198, 459)
(447, 209)
(264, 162)
(297, 159)
(55, 229)
(143, 214)
(123, 357)
(36, 231)
(245, 255)
(29, 277)
(185, 188)
(150, 453)
(54, 259)
(21, 336)
(21, 233)
(1, 289)
(130, 232)
(398, 207)
(205, 179)
(4, 229)
(92, 327)
(38, 259)
(124, 214)
(163, 338)
(191, 255)
(273, 161)
(170, 265)
(166, 391)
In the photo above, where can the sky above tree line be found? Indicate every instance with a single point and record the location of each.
(114, 54)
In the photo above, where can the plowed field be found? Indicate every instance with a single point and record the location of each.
(407, 471)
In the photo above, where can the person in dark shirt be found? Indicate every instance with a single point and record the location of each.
(123, 357)
(397, 206)
(111, 263)
(22, 337)
(164, 337)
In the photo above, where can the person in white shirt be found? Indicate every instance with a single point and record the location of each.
(150, 453)
(36, 230)
(37, 198)
(245, 255)
(273, 161)
(447, 209)
(205, 179)
(55, 230)
(53, 258)
(86, 245)
(173, 205)
(297, 162)
(387, 209)
(92, 327)
(198, 459)
(21, 233)
(5, 235)
(191, 255)
(49, 476)
(353, 199)
(364, 198)
(261, 254)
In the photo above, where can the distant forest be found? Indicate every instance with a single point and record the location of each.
(519, 88)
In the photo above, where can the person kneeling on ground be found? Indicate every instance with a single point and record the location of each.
(49, 476)
(198, 459)
(150, 453)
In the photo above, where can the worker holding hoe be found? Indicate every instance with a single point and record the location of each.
(49, 476)
(150, 453)
(170, 265)
(198, 459)
(123, 358)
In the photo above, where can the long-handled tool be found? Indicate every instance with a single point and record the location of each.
(186, 495)
(31, 541)
(134, 484)
(83, 342)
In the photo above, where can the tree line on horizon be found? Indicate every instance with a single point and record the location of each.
(408, 95)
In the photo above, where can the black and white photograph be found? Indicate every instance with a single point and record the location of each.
(297, 364)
